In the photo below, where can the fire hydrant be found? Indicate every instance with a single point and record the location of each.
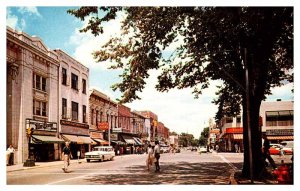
(282, 173)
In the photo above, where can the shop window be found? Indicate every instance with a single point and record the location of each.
(74, 111)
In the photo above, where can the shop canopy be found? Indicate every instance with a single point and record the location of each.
(118, 142)
(280, 138)
(101, 141)
(137, 140)
(46, 139)
(128, 139)
(78, 139)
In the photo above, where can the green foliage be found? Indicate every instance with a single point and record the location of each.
(204, 136)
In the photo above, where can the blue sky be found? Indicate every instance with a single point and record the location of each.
(177, 109)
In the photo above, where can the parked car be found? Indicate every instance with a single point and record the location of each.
(194, 149)
(100, 153)
(288, 147)
(275, 149)
(202, 150)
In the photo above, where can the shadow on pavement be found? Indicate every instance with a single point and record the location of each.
(171, 173)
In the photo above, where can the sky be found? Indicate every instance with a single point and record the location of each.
(177, 109)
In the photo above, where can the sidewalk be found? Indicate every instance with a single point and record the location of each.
(20, 166)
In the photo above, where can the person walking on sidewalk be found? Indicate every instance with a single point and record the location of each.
(157, 156)
(266, 152)
(66, 155)
(150, 157)
(10, 155)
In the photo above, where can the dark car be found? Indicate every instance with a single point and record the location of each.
(194, 149)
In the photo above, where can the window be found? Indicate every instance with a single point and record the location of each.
(39, 82)
(229, 119)
(83, 113)
(64, 108)
(74, 81)
(64, 76)
(83, 86)
(279, 118)
(39, 108)
(74, 111)
(97, 113)
(92, 117)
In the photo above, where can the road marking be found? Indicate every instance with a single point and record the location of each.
(234, 169)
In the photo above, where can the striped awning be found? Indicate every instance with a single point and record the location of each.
(78, 139)
(238, 136)
(46, 139)
(280, 137)
(101, 141)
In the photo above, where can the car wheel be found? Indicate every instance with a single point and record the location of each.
(88, 160)
(102, 158)
(112, 158)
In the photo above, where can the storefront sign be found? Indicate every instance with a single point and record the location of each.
(40, 125)
(117, 130)
(234, 130)
(113, 136)
(103, 126)
(96, 135)
(71, 123)
(280, 132)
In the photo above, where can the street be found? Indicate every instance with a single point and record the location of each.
(181, 168)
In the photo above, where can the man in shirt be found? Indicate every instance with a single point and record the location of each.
(157, 156)
(10, 153)
(266, 152)
(66, 155)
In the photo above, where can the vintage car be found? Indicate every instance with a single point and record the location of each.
(100, 153)
(288, 147)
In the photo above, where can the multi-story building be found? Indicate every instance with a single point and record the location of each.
(166, 135)
(160, 131)
(151, 123)
(32, 98)
(73, 103)
(278, 120)
(103, 117)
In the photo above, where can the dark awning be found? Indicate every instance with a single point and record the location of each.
(137, 140)
(101, 141)
(46, 139)
(128, 139)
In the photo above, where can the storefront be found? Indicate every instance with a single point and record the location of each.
(44, 143)
(232, 137)
(279, 135)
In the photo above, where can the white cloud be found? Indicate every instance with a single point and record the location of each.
(283, 92)
(11, 19)
(30, 11)
(177, 109)
(87, 43)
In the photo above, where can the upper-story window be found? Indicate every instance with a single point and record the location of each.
(84, 86)
(74, 81)
(39, 82)
(229, 119)
(39, 108)
(83, 113)
(74, 111)
(64, 108)
(64, 76)
(238, 119)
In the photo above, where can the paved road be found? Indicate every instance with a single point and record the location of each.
(182, 168)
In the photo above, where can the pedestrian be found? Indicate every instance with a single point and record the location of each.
(10, 155)
(217, 148)
(150, 157)
(66, 155)
(236, 146)
(266, 152)
(157, 156)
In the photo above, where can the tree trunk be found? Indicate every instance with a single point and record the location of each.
(256, 140)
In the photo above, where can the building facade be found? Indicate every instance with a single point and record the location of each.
(151, 123)
(278, 120)
(73, 103)
(103, 117)
(32, 98)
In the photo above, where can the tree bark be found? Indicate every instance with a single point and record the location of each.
(256, 141)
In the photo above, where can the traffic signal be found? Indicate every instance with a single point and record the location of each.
(29, 131)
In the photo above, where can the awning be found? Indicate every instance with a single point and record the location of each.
(78, 139)
(101, 141)
(128, 139)
(238, 136)
(137, 140)
(280, 137)
(118, 142)
(46, 139)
